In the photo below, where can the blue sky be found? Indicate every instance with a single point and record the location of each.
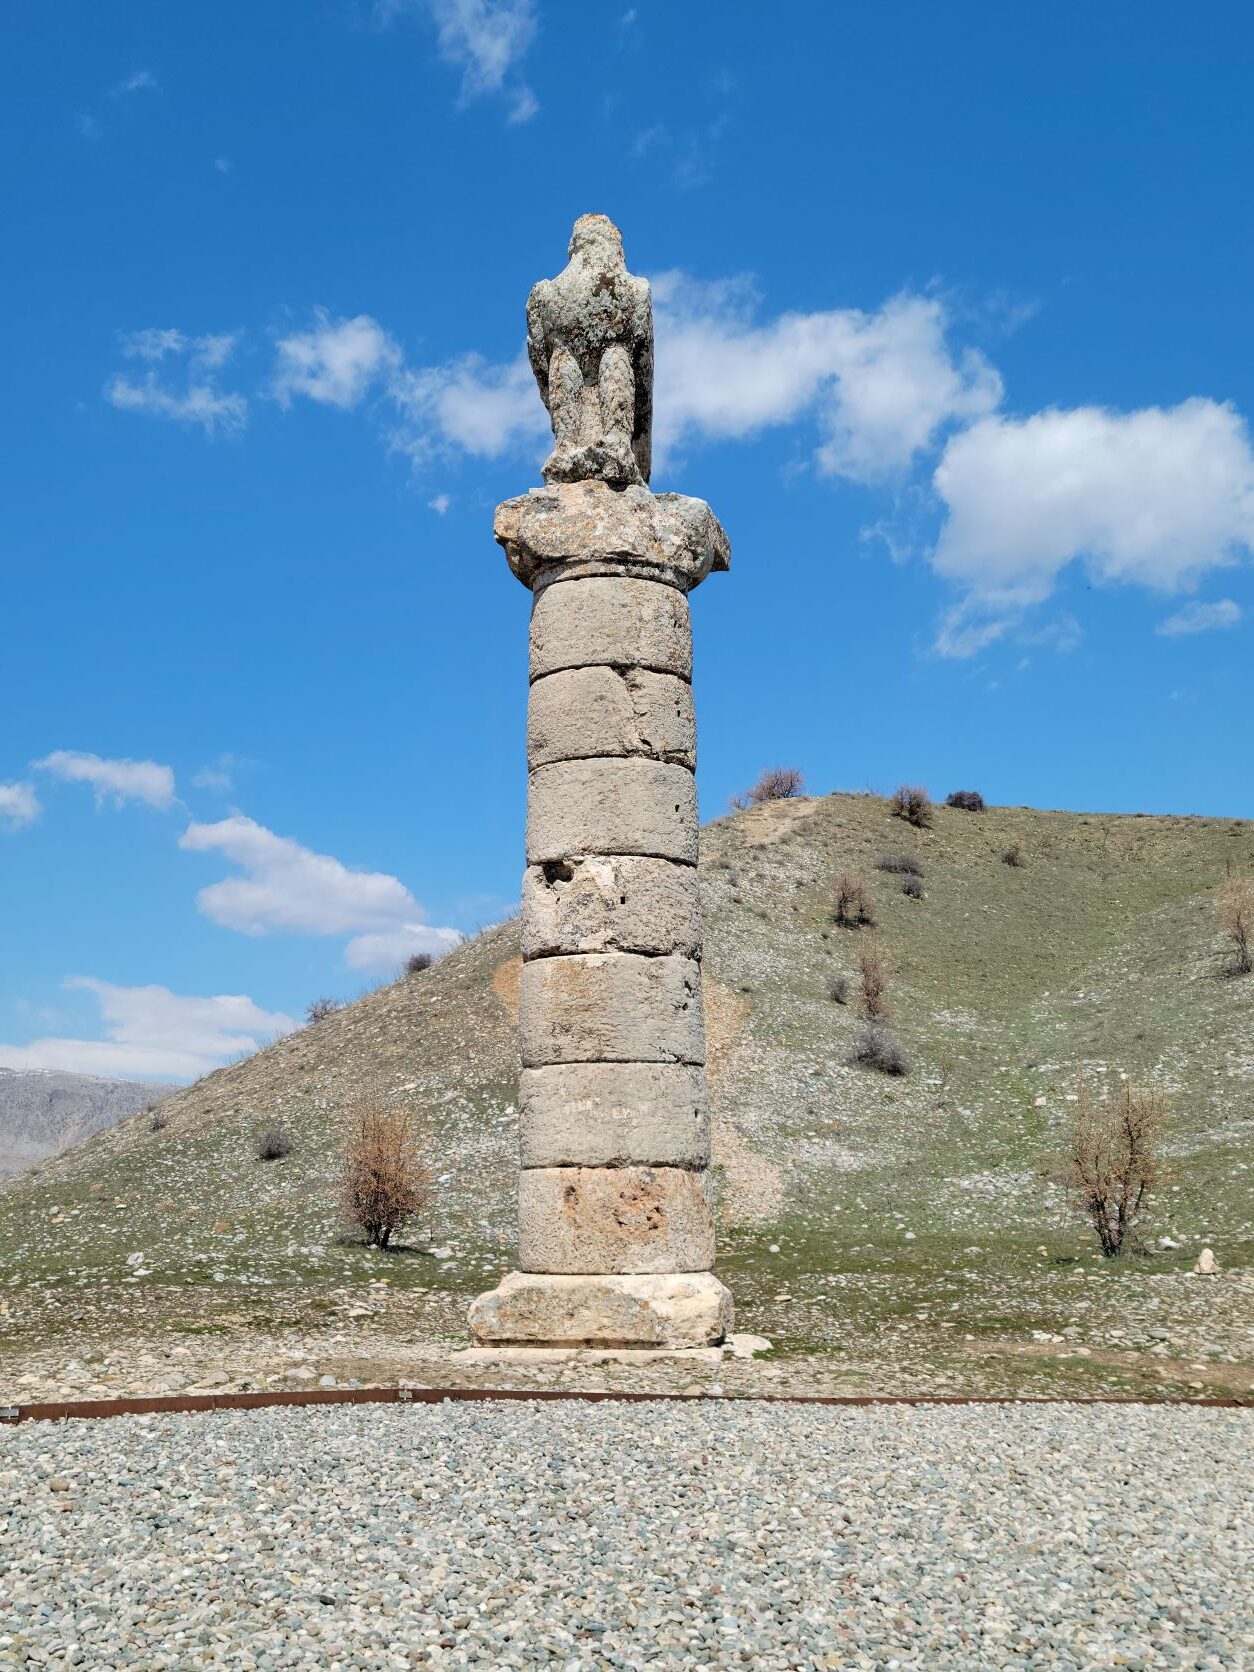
(954, 332)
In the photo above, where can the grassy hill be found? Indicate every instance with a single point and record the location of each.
(887, 1234)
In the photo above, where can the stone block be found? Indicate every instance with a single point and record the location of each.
(611, 904)
(615, 622)
(611, 1114)
(611, 807)
(681, 1310)
(615, 1219)
(580, 529)
(585, 712)
(610, 1007)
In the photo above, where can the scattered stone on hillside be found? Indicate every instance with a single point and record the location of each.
(610, 990)
(1207, 1265)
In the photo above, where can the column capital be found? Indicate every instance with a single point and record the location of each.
(568, 531)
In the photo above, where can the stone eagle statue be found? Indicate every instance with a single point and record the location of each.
(590, 343)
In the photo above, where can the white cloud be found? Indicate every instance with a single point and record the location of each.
(1201, 618)
(19, 805)
(218, 776)
(440, 503)
(484, 39)
(879, 386)
(336, 362)
(199, 400)
(222, 164)
(1157, 497)
(199, 403)
(471, 405)
(289, 888)
(385, 949)
(155, 1034)
(117, 781)
(153, 343)
(141, 81)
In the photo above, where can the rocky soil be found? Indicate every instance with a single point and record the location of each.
(633, 1536)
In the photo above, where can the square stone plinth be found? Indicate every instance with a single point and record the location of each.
(535, 1309)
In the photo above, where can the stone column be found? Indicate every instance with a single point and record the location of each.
(615, 1214)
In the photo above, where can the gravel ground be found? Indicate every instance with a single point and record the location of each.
(706, 1534)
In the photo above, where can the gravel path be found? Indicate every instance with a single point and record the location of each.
(651, 1536)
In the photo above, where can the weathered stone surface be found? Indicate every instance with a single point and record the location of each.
(611, 711)
(610, 1007)
(611, 904)
(685, 1309)
(590, 342)
(615, 1219)
(620, 806)
(611, 1114)
(611, 621)
(581, 529)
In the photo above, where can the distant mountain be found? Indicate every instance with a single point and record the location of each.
(43, 1113)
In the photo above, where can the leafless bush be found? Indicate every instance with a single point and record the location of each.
(777, 783)
(1236, 916)
(321, 1008)
(968, 801)
(418, 962)
(158, 1120)
(876, 1046)
(1013, 855)
(273, 1144)
(900, 864)
(912, 804)
(838, 989)
(873, 975)
(853, 907)
(384, 1182)
(912, 887)
(1113, 1162)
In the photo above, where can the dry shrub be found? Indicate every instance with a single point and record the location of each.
(900, 864)
(777, 783)
(384, 1182)
(418, 962)
(873, 975)
(838, 989)
(876, 1046)
(1236, 917)
(1113, 1164)
(853, 907)
(158, 1120)
(911, 803)
(273, 1144)
(321, 1007)
(967, 801)
(1013, 856)
(912, 887)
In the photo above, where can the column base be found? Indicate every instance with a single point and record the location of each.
(536, 1309)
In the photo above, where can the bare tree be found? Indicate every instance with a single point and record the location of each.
(1113, 1165)
(874, 977)
(912, 803)
(1236, 915)
(853, 907)
(384, 1182)
(320, 1008)
(777, 783)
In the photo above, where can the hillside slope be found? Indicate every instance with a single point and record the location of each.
(895, 1229)
(44, 1112)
